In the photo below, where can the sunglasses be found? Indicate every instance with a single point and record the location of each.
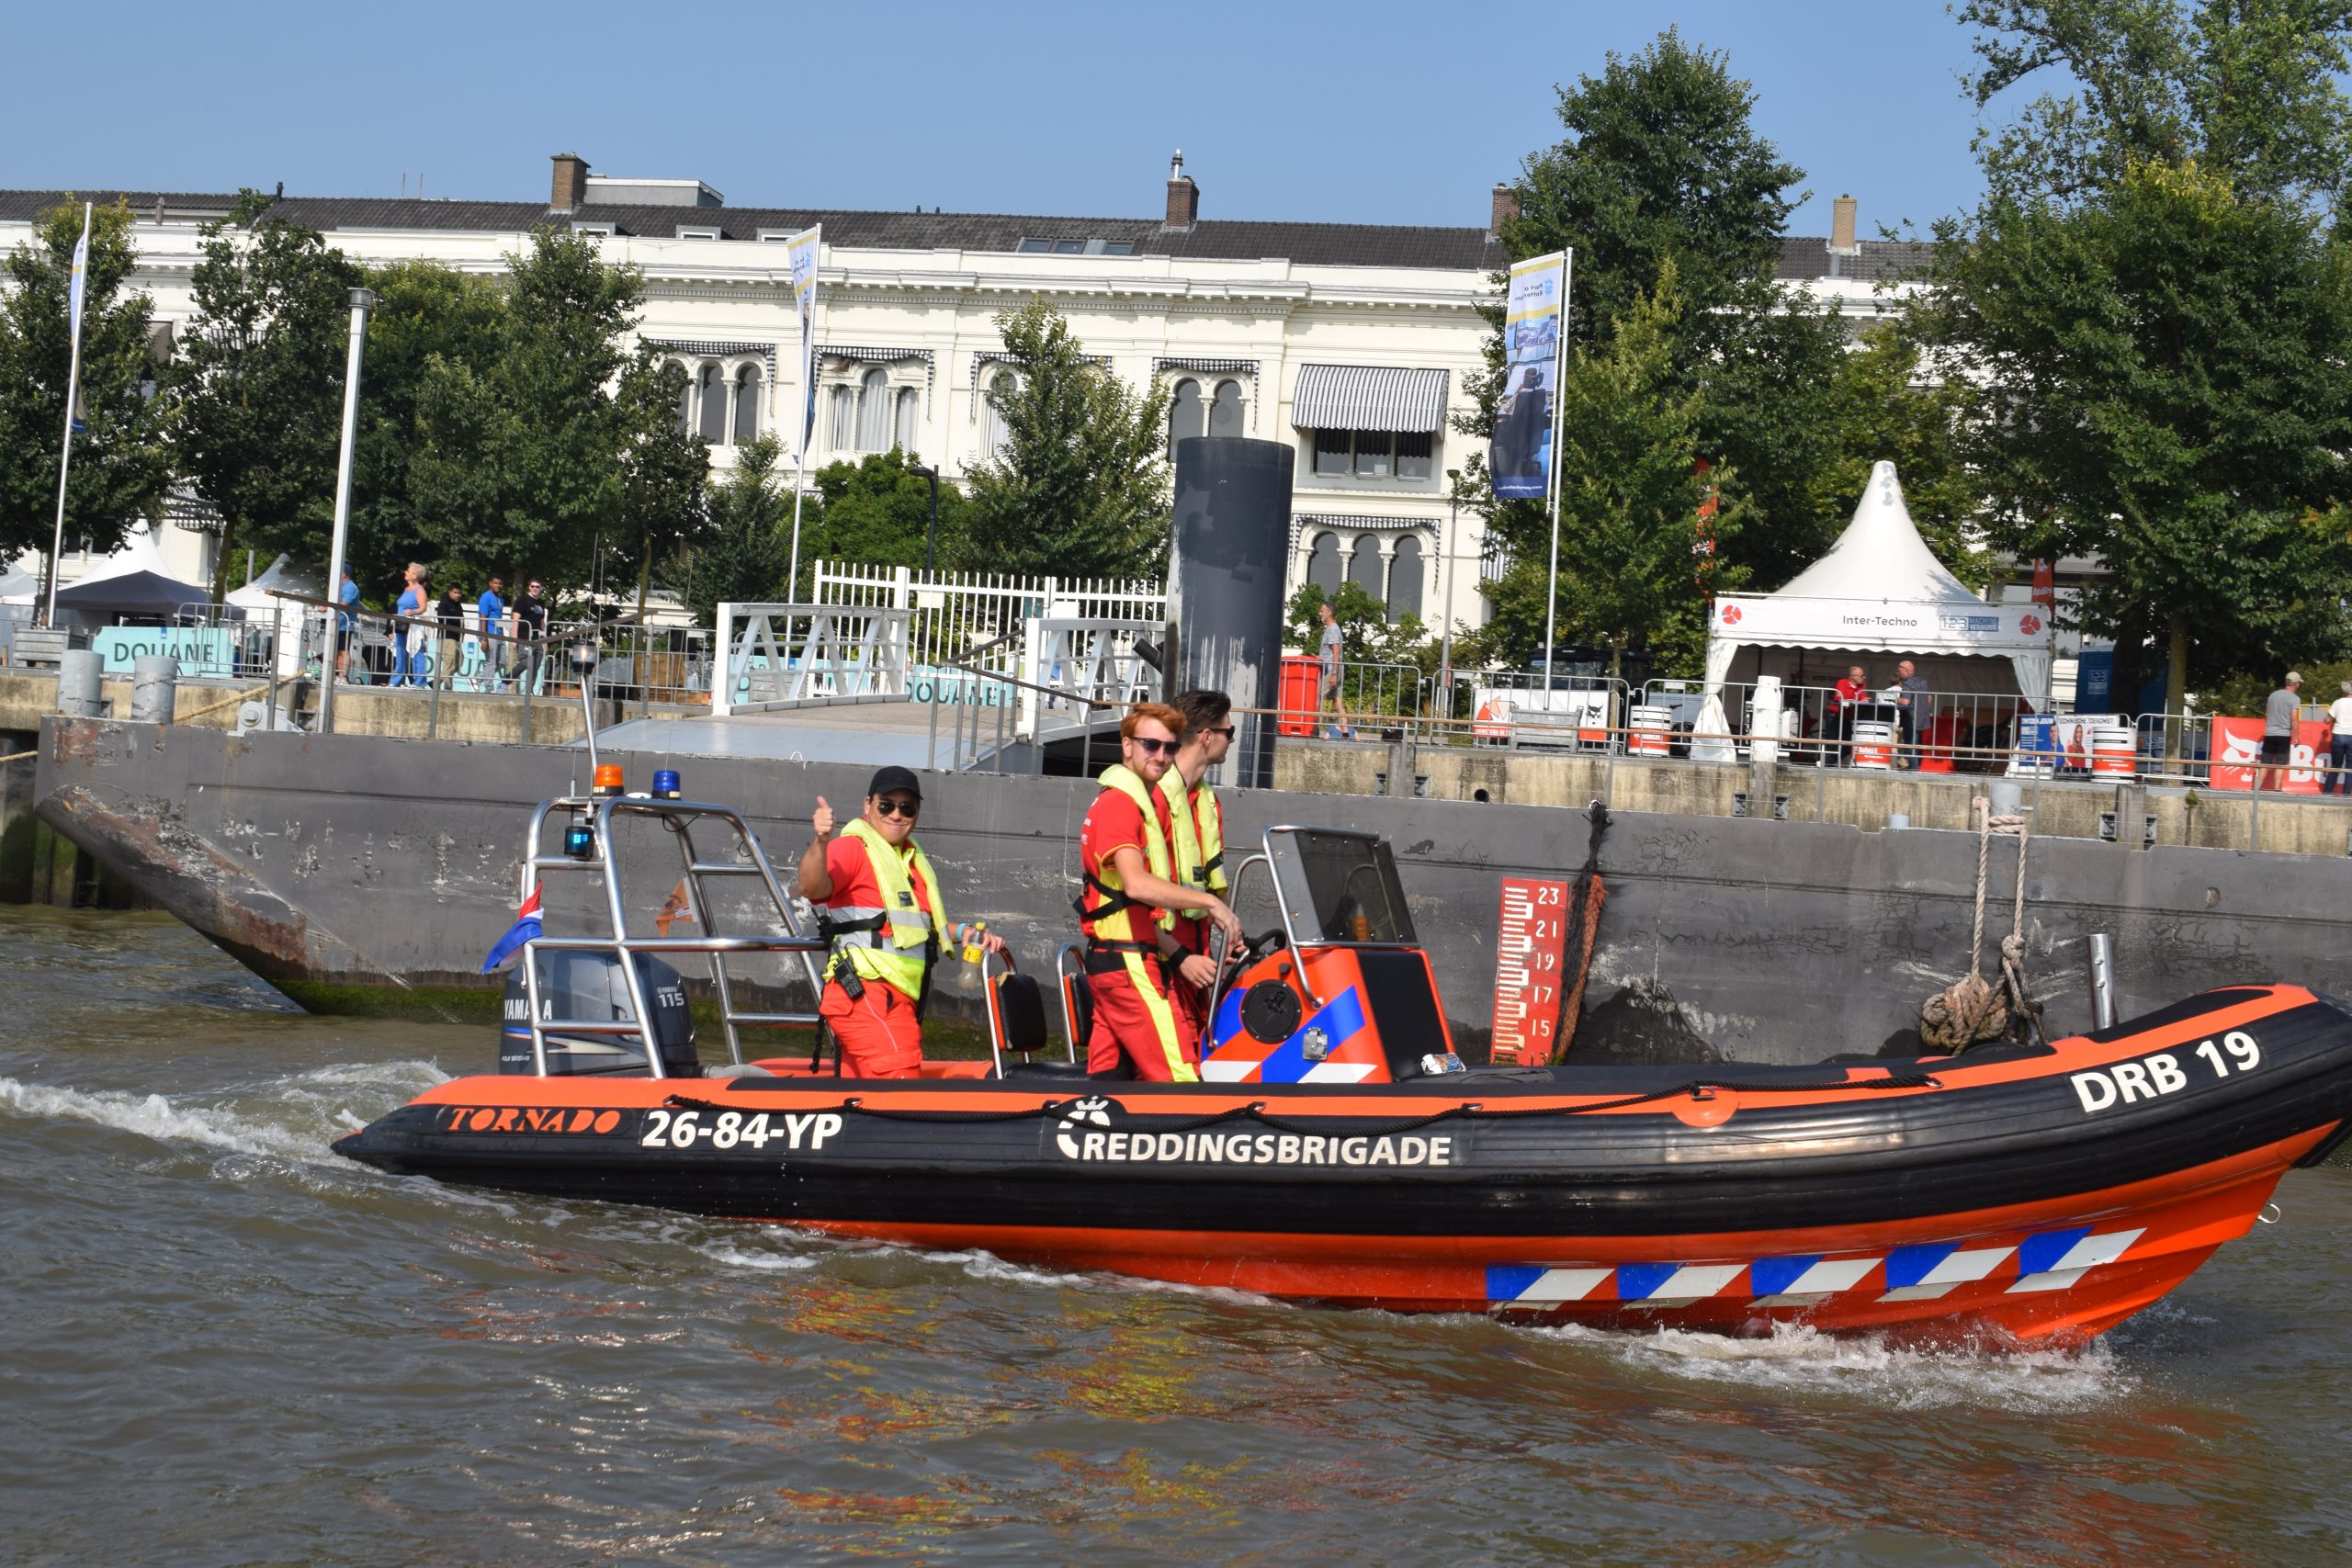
(1151, 747)
(909, 810)
(1224, 729)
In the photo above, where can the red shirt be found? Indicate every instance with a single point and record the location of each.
(1114, 823)
(853, 883)
(1850, 691)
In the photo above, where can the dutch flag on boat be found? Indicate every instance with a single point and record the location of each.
(526, 929)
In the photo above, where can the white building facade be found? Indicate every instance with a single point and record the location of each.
(1353, 344)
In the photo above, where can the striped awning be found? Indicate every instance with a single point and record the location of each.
(1368, 396)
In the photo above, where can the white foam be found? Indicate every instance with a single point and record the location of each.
(292, 1118)
(779, 1262)
(1801, 1359)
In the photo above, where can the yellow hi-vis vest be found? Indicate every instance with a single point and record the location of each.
(856, 931)
(1115, 919)
(1199, 837)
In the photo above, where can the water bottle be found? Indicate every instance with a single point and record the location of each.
(968, 977)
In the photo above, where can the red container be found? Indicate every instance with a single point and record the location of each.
(1300, 702)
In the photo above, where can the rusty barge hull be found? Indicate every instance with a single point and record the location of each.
(367, 874)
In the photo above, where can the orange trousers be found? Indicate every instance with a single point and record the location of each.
(878, 1034)
(1138, 1019)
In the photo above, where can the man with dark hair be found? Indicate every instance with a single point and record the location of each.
(1196, 831)
(884, 916)
(530, 633)
(452, 613)
(1129, 910)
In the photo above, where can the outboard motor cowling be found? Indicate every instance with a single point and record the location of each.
(590, 986)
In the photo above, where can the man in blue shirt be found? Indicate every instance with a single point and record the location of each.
(493, 661)
(348, 597)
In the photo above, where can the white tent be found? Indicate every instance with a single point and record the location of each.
(1879, 594)
(255, 598)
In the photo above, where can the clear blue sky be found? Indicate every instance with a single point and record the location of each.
(1372, 112)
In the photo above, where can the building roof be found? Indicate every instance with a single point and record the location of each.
(1802, 258)
(1325, 244)
(1806, 259)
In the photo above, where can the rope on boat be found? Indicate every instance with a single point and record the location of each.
(1973, 1010)
(1058, 1110)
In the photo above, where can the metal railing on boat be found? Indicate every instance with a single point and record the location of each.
(679, 817)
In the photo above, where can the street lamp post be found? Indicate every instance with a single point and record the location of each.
(362, 302)
(931, 540)
(1445, 597)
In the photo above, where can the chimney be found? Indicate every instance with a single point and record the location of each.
(1184, 195)
(1841, 227)
(1505, 209)
(570, 182)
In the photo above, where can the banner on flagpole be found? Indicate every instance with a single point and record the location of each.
(801, 255)
(1520, 458)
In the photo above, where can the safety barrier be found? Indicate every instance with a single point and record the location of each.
(799, 655)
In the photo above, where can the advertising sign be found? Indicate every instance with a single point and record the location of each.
(1520, 459)
(1960, 626)
(2237, 747)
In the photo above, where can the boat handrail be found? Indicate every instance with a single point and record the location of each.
(679, 817)
(1225, 967)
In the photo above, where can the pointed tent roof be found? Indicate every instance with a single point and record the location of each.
(1880, 555)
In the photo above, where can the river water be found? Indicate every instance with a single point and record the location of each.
(223, 1345)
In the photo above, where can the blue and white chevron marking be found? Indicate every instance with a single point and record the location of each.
(2047, 1260)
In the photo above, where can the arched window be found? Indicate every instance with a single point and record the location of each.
(874, 413)
(1364, 569)
(1405, 578)
(841, 419)
(746, 405)
(712, 389)
(1001, 385)
(685, 398)
(903, 426)
(1323, 566)
(1225, 417)
(1185, 415)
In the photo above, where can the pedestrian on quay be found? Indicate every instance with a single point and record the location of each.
(1911, 703)
(346, 625)
(410, 635)
(1855, 687)
(1329, 651)
(492, 610)
(452, 613)
(2279, 730)
(2339, 745)
(530, 633)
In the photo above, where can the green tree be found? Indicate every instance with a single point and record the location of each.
(257, 388)
(877, 512)
(1082, 487)
(2163, 380)
(121, 461)
(2249, 90)
(1661, 174)
(1660, 166)
(520, 468)
(745, 555)
(665, 469)
(424, 312)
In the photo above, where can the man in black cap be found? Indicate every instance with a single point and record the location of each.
(882, 915)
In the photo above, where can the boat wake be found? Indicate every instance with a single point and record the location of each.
(1799, 1359)
(293, 1118)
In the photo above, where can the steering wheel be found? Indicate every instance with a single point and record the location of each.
(1268, 941)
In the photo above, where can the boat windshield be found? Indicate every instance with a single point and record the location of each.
(1340, 886)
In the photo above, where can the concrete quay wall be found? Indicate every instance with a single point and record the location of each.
(365, 874)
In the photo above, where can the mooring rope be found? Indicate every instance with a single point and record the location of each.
(1972, 1011)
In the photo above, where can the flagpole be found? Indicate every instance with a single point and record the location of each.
(72, 395)
(1552, 582)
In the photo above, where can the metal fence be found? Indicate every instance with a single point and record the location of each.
(786, 655)
(968, 628)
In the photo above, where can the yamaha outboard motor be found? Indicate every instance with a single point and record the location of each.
(590, 986)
